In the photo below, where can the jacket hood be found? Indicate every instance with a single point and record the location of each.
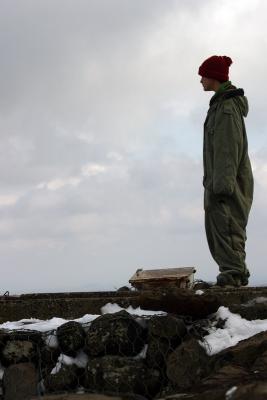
(239, 98)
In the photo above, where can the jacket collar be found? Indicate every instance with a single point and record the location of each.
(226, 91)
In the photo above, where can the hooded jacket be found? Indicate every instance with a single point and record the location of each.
(227, 168)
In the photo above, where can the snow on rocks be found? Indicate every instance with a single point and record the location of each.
(80, 361)
(43, 326)
(170, 347)
(199, 292)
(63, 353)
(235, 329)
(113, 308)
(230, 392)
(53, 323)
(51, 341)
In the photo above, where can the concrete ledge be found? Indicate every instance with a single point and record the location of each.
(75, 305)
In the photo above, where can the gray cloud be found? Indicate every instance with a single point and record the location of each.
(101, 117)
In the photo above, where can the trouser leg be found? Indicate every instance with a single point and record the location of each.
(226, 236)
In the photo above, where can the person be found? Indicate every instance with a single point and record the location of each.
(228, 179)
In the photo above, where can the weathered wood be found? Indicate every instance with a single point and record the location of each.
(152, 279)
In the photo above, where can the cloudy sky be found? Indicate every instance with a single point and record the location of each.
(101, 122)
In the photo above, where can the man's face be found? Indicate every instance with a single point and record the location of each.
(207, 83)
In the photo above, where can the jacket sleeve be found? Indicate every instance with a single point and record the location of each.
(226, 146)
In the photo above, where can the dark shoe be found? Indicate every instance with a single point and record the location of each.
(244, 278)
(199, 285)
(244, 281)
(224, 280)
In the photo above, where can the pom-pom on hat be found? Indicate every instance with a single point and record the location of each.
(216, 67)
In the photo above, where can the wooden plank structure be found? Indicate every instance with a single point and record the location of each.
(182, 278)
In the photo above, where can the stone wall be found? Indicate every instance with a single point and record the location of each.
(116, 353)
(123, 355)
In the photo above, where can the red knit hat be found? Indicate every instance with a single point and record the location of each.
(216, 67)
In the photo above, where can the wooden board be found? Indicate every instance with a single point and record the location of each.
(180, 277)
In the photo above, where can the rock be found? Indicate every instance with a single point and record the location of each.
(121, 375)
(181, 302)
(164, 335)
(18, 351)
(3, 338)
(157, 352)
(244, 353)
(218, 394)
(260, 365)
(48, 358)
(229, 375)
(251, 391)
(20, 382)
(124, 289)
(115, 334)
(65, 379)
(32, 336)
(167, 327)
(71, 338)
(188, 364)
(91, 396)
(20, 346)
(250, 311)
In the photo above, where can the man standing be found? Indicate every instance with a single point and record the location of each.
(228, 180)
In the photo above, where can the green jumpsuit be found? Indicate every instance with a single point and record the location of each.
(228, 183)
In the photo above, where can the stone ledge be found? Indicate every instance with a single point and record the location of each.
(77, 397)
(75, 305)
(89, 396)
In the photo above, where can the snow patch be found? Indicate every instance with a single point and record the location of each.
(80, 360)
(34, 324)
(111, 308)
(2, 370)
(235, 329)
(49, 327)
(51, 341)
(142, 354)
(230, 392)
(257, 300)
(45, 325)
